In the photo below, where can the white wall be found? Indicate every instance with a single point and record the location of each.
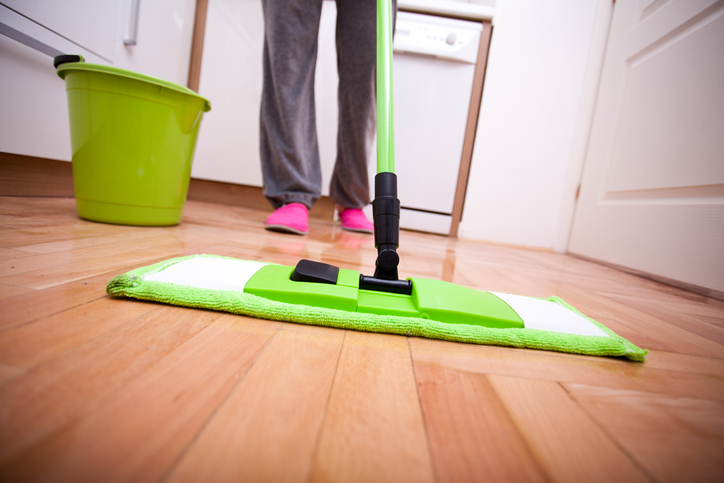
(540, 87)
(34, 119)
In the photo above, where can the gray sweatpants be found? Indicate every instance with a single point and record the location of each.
(289, 148)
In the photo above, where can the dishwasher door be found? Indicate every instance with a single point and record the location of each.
(433, 69)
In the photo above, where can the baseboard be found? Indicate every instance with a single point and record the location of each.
(38, 177)
(49, 178)
(247, 197)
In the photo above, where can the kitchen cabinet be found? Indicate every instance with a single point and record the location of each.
(35, 113)
(231, 77)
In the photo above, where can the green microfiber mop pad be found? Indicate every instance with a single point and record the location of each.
(145, 284)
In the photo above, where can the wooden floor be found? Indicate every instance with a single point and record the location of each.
(100, 389)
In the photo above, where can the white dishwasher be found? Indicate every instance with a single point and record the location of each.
(433, 69)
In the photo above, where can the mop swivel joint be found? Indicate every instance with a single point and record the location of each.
(387, 258)
(386, 213)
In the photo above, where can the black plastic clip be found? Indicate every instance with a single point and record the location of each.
(317, 272)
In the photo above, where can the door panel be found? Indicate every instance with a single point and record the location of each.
(652, 194)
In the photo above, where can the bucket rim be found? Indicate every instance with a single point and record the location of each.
(63, 70)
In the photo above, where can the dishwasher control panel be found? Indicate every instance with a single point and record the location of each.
(449, 39)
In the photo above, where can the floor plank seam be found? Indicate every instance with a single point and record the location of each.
(39, 292)
(522, 434)
(7, 465)
(60, 311)
(613, 440)
(167, 474)
(318, 439)
(435, 472)
(21, 371)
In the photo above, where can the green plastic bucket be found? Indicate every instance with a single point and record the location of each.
(133, 139)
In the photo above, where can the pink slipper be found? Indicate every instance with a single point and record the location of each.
(291, 218)
(354, 219)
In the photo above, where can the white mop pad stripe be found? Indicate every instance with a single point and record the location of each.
(209, 273)
(545, 315)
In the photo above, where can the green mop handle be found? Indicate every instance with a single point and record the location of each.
(385, 123)
(386, 205)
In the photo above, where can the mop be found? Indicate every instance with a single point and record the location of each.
(320, 294)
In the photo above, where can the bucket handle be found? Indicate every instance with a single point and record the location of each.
(66, 58)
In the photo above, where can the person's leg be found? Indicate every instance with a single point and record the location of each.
(288, 134)
(356, 64)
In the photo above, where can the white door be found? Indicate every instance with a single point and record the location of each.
(652, 194)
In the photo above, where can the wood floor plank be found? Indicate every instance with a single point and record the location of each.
(685, 363)
(268, 428)
(139, 256)
(31, 344)
(710, 331)
(89, 242)
(18, 238)
(8, 371)
(568, 444)
(37, 304)
(673, 438)
(711, 309)
(9, 291)
(58, 393)
(484, 277)
(38, 220)
(373, 430)
(77, 256)
(7, 254)
(178, 396)
(550, 366)
(674, 300)
(37, 205)
(472, 437)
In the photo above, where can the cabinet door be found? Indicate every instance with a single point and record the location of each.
(91, 25)
(231, 77)
(652, 195)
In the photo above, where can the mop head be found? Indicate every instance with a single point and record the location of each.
(217, 283)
